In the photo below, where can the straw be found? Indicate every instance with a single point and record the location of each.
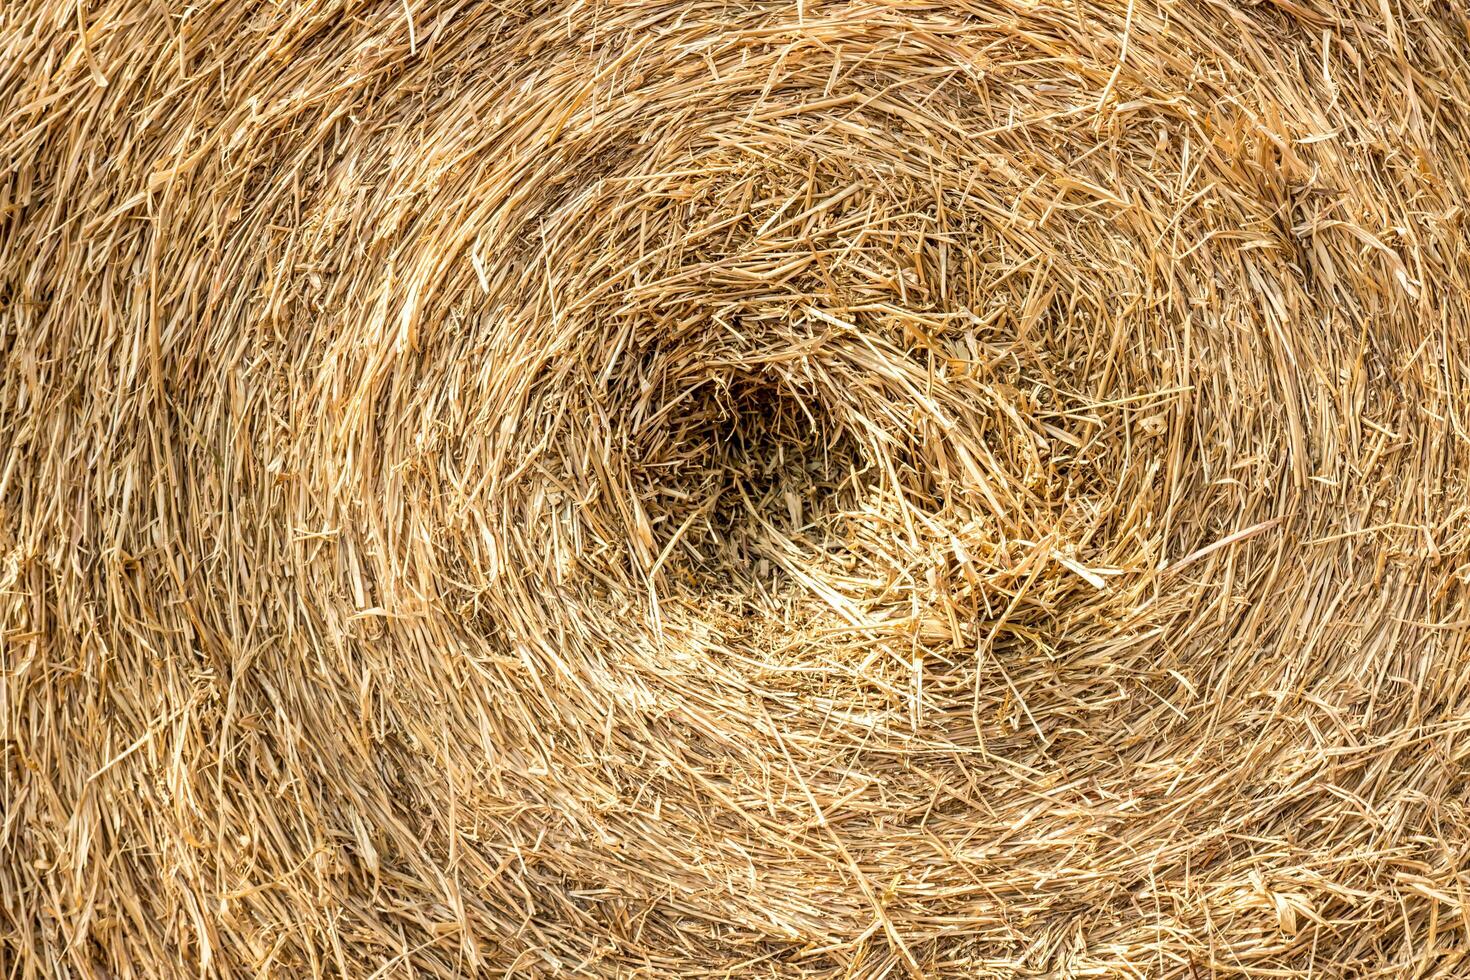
(687, 489)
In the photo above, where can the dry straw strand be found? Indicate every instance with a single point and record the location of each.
(666, 488)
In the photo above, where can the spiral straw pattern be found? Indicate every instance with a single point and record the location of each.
(843, 488)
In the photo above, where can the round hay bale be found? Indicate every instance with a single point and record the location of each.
(834, 489)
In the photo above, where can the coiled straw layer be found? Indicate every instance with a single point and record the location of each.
(973, 489)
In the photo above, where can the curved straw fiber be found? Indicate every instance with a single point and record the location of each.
(844, 488)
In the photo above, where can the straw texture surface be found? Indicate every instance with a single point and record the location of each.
(833, 488)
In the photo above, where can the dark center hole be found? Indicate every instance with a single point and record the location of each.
(733, 472)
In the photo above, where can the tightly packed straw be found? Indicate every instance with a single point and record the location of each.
(847, 488)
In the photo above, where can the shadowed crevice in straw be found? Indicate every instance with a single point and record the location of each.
(677, 489)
